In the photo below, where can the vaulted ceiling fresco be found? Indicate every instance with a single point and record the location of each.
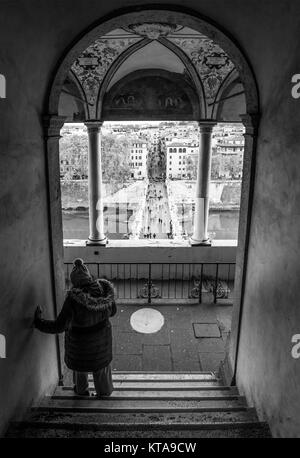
(207, 58)
(91, 67)
(211, 62)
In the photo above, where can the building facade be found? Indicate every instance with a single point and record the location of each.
(182, 159)
(139, 155)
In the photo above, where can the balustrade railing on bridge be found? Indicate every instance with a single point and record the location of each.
(150, 282)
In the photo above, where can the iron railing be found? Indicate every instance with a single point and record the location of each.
(166, 281)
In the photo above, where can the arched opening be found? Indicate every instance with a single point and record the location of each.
(203, 77)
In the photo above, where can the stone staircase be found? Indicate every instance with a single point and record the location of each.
(146, 404)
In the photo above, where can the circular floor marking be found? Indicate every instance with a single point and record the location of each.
(147, 321)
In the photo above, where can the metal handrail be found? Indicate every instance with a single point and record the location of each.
(190, 284)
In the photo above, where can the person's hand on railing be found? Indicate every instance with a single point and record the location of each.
(37, 314)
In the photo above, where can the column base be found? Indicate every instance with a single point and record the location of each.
(102, 242)
(194, 242)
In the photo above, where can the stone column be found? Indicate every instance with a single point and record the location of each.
(96, 222)
(251, 123)
(52, 128)
(200, 235)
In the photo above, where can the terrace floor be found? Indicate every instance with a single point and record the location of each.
(175, 346)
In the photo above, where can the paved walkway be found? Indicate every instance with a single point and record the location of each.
(174, 347)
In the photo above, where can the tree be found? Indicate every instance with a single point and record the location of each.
(74, 149)
(232, 166)
(115, 160)
(68, 175)
(191, 168)
(216, 167)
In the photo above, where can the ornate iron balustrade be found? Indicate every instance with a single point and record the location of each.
(165, 281)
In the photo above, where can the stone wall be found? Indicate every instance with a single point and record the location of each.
(30, 367)
(222, 195)
(225, 193)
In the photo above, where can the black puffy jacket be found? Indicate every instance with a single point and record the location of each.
(85, 319)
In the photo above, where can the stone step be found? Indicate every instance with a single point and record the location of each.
(165, 385)
(150, 404)
(117, 372)
(162, 376)
(67, 392)
(243, 430)
(136, 420)
(92, 404)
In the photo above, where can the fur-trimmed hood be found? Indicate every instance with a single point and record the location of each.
(96, 297)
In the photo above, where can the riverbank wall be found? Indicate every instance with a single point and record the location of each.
(224, 195)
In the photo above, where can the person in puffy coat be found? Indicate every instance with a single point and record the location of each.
(88, 338)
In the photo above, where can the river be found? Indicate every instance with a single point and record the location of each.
(222, 225)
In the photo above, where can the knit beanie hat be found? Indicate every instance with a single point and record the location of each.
(80, 275)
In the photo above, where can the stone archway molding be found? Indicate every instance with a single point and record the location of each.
(159, 13)
(189, 18)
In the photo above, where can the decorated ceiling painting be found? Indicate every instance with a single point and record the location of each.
(92, 66)
(210, 61)
(151, 96)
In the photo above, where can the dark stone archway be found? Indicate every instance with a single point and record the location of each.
(191, 19)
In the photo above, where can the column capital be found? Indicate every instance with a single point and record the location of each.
(93, 126)
(53, 124)
(206, 125)
(250, 122)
